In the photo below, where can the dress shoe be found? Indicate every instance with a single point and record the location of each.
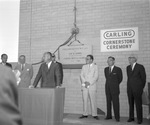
(130, 119)
(107, 118)
(139, 122)
(117, 120)
(96, 117)
(83, 116)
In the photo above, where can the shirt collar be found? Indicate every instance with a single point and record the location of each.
(91, 64)
(49, 63)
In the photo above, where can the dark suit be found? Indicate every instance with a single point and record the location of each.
(135, 84)
(9, 113)
(8, 64)
(112, 90)
(50, 78)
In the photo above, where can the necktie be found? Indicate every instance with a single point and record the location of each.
(109, 70)
(132, 67)
(22, 67)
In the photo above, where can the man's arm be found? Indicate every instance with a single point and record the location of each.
(58, 75)
(61, 71)
(31, 72)
(105, 73)
(143, 75)
(120, 77)
(82, 75)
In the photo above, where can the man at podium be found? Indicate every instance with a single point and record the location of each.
(49, 73)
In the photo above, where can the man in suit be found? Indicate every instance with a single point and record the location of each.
(113, 75)
(60, 66)
(89, 77)
(136, 79)
(49, 73)
(4, 58)
(9, 112)
(26, 72)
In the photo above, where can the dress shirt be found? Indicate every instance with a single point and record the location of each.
(49, 64)
(133, 65)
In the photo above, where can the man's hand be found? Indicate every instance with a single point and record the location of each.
(58, 86)
(31, 86)
(87, 84)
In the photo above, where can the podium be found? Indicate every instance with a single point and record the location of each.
(42, 106)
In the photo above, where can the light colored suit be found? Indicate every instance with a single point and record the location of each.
(89, 73)
(26, 74)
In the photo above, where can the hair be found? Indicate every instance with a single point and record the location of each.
(133, 58)
(91, 57)
(3, 55)
(111, 57)
(49, 53)
(22, 56)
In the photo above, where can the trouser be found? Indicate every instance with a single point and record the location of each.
(91, 94)
(113, 99)
(137, 98)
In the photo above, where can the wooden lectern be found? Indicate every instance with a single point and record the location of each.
(42, 106)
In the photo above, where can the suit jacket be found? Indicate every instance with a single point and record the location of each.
(50, 78)
(89, 74)
(8, 64)
(26, 74)
(113, 80)
(137, 78)
(9, 113)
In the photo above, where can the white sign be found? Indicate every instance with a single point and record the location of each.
(124, 39)
(74, 54)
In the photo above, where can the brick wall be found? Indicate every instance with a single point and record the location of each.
(45, 24)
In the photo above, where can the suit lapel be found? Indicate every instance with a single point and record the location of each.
(130, 70)
(45, 67)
